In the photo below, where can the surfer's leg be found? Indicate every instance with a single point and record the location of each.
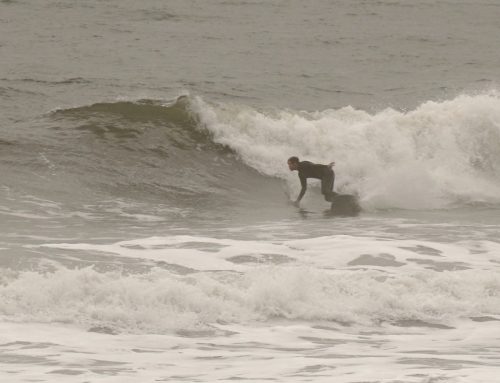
(327, 186)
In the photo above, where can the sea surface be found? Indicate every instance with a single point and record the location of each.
(146, 233)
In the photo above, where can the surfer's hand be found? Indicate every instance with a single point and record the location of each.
(295, 203)
(331, 164)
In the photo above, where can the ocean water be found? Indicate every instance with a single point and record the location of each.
(145, 229)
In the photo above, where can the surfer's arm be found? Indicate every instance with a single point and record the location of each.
(303, 182)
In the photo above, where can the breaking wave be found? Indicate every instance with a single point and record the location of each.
(440, 155)
(161, 301)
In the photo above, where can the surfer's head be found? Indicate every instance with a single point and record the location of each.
(293, 163)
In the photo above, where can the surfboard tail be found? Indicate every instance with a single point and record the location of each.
(345, 205)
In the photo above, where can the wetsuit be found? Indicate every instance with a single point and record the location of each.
(323, 172)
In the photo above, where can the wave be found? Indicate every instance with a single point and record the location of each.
(152, 148)
(72, 80)
(442, 154)
(160, 301)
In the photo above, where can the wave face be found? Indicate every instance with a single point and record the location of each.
(146, 146)
(143, 150)
(440, 155)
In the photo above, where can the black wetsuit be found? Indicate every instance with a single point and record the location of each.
(323, 172)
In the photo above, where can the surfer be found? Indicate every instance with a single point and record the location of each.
(307, 170)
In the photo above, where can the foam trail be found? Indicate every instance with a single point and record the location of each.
(439, 155)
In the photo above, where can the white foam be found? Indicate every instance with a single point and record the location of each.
(161, 301)
(335, 251)
(255, 319)
(347, 278)
(441, 153)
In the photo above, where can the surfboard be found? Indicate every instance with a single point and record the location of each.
(346, 205)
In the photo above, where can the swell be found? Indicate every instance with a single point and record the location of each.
(67, 81)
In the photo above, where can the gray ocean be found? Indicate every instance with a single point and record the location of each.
(146, 233)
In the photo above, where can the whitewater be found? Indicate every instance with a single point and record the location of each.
(432, 157)
(146, 230)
